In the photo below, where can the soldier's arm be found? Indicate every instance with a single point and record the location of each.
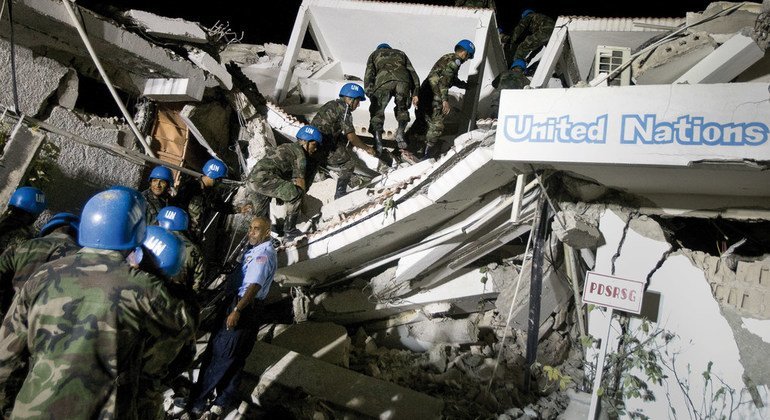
(13, 345)
(519, 29)
(299, 169)
(172, 328)
(199, 270)
(7, 270)
(413, 75)
(370, 74)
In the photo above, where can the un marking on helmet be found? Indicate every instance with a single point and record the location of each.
(214, 167)
(171, 215)
(155, 245)
(40, 198)
(310, 130)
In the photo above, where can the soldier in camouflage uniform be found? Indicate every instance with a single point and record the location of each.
(513, 78)
(434, 95)
(193, 272)
(389, 74)
(199, 197)
(538, 27)
(484, 4)
(24, 207)
(335, 121)
(83, 322)
(157, 196)
(282, 174)
(57, 239)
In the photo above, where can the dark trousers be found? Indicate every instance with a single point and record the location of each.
(225, 357)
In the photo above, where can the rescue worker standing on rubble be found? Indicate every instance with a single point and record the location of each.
(282, 174)
(434, 95)
(193, 271)
(389, 74)
(537, 27)
(24, 207)
(335, 122)
(512, 78)
(229, 346)
(157, 195)
(198, 197)
(87, 317)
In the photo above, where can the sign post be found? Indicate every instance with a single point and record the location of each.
(612, 293)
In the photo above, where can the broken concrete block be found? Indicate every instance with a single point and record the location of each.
(168, 28)
(20, 149)
(422, 336)
(173, 90)
(208, 63)
(322, 340)
(726, 62)
(438, 357)
(365, 395)
(87, 170)
(37, 79)
(726, 24)
(671, 60)
(580, 232)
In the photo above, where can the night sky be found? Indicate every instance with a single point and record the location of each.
(272, 22)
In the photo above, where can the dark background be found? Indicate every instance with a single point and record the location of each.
(272, 21)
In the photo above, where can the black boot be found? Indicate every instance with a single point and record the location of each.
(342, 187)
(430, 151)
(400, 132)
(290, 231)
(378, 141)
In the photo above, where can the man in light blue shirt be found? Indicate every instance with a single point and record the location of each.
(230, 345)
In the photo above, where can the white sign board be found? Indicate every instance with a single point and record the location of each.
(662, 125)
(613, 292)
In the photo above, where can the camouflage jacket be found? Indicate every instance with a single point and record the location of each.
(387, 65)
(19, 262)
(154, 204)
(14, 229)
(532, 23)
(443, 75)
(83, 323)
(287, 161)
(194, 269)
(486, 4)
(511, 79)
(200, 204)
(334, 118)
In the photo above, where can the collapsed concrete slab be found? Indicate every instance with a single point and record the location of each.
(726, 62)
(322, 340)
(424, 335)
(671, 60)
(21, 146)
(457, 181)
(168, 28)
(344, 388)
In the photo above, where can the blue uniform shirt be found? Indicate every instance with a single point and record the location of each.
(258, 267)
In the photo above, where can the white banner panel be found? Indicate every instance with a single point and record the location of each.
(664, 125)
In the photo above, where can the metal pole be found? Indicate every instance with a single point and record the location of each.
(107, 81)
(536, 287)
(594, 410)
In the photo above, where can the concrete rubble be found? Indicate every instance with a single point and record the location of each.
(410, 296)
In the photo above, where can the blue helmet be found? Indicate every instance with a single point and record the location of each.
(166, 251)
(310, 133)
(113, 219)
(173, 218)
(30, 199)
(467, 45)
(162, 172)
(215, 169)
(59, 220)
(352, 90)
(526, 12)
(383, 45)
(519, 63)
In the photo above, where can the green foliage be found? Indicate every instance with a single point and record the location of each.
(40, 171)
(554, 375)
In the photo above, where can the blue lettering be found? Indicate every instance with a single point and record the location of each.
(690, 131)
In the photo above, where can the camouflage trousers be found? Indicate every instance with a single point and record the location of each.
(532, 43)
(263, 186)
(380, 98)
(430, 120)
(341, 159)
